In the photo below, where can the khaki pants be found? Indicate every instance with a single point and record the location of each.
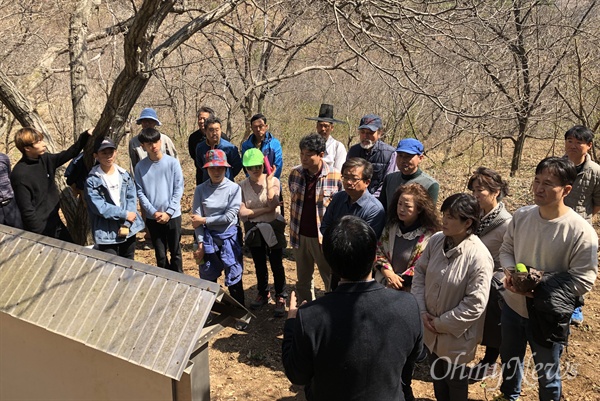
(306, 255)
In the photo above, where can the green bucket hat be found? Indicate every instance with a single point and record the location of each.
(253, 157)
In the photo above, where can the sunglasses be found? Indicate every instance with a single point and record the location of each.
(255, 168)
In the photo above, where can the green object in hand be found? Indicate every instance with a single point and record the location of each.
(521, 268)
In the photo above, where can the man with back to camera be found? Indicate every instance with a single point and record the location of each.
(409, 154)
(335, 151)
(353, 343)
(584, 198)
(371, 148)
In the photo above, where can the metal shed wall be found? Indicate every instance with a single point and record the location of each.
(145, 315)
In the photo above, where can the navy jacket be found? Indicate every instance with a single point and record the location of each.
(353, 343)
(233, 158)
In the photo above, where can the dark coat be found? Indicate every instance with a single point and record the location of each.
(35, 188)
(353, 343)
(551, 308)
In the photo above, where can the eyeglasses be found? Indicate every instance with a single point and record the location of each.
(351, 180)
(255, 168)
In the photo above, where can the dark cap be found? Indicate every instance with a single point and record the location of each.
(104, 143)
(371, 122)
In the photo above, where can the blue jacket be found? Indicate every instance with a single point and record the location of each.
(232, 153)
(271, 147)
(105, 216)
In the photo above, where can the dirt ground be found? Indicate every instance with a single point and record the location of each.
(247, 365)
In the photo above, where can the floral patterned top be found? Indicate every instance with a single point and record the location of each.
(385, 247)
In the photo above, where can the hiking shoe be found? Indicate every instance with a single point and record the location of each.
(577, 316)
(482, 371)
(279, 307)
(260, 301)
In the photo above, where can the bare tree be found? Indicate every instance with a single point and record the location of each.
(495, 61)
(141, 58)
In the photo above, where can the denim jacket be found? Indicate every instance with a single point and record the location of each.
(105, 216)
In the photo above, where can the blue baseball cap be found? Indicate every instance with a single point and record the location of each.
(371, 122)
(149, 114)
(410, 146)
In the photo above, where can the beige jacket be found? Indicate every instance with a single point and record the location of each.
(454, 287)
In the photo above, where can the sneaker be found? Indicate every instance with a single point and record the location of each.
(260, 301)
(482, 371)
(279, 307)
(577, 316)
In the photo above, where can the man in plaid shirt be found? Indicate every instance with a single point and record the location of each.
(312, 185)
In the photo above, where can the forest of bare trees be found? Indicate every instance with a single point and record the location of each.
(457, 75)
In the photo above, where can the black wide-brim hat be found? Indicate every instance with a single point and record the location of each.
(326, 114)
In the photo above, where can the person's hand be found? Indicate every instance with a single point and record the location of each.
(428, 322)
(198, 220)
(508, 284)
(131, 216)
(199, 253)
(392, 280)
(162, 217)
(273, 169)
(293, 310)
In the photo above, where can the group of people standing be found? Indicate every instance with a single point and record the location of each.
(397, 273)
(452, 264)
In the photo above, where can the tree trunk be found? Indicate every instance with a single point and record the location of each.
(519, 145)
(74, 208)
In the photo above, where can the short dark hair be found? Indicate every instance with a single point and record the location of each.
(313, 143)
(580, 133)
(491, 180)
(428, 217)
(349, 246)
(561, 167)
(212, 120)
(465, 207)
(149, 135)
(353, 162)
(258, 116)
(205, 109)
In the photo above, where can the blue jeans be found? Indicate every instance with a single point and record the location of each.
(516, 333)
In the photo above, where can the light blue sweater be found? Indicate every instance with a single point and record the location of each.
(159, 186)
(219, 203)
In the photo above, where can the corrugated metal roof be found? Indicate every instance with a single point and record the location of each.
(146, 315)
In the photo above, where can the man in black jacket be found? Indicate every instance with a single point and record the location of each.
(33, 182)
(353, 343)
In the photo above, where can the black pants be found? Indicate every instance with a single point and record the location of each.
(450, 382)
(10, 215)
(125, 249)
(167, 236)
(259, 256)
(56, 229)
